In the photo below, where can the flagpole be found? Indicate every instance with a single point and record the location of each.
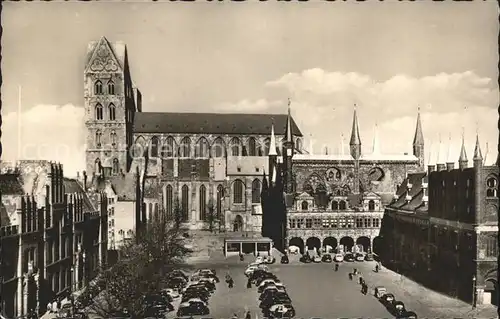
(19, 124)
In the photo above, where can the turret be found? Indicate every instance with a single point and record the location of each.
(430, 167)
(478, 164)
(355, 143)
(462, 160)
(418, 141)
(272, 151)
(440, 164)
(288, 151)
(478, 156)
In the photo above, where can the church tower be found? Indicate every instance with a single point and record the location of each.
(110, 104)
(418, 142)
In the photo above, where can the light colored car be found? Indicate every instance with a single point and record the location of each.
(338, 258)
(172, 293)
(294, 250)
(259, 259)
(269, 260)
(317, 259)
(270, 282)
(274, 287)
(360, 257)
(250, 270)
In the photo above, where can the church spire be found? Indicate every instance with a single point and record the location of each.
(288, 132)
(418, 139)
(462, 160)
(477, 150)
(355, 144)
(272, 144)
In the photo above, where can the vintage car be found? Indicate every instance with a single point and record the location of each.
(282, 311)
(360, 257)
(317, 259)
(305, 259)
(192, 309)
(387, 299)
(338, 258)
(380, 291)
(349, 257)
(369, 257)
(327, 258)
(284, 259)
(407, 315)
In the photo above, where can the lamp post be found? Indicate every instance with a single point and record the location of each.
(72, 291)
(473, 291)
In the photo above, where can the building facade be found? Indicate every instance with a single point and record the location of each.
(53, 235)
(442, 229)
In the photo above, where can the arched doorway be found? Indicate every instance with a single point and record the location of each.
(347, 242)
(330, 243)
(364, 242)
(491, 288)
(377, 245)
(238, 223)
(297, 242)
(313, 242)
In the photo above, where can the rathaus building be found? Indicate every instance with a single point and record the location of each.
(209, 165)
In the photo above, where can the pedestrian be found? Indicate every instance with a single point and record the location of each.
(248, 315)
(336, 267)
(231, 282)
(361, 280)
(350, 276)
(355, 271)
(249, 283)
(376, 268)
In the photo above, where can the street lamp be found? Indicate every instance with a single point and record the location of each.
(473, 291)
(73, 286)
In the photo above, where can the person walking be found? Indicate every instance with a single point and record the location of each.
(376, 267)
(355, 271)
(336, 267)
(230, 283)
(350, 276)
(248, 315)
(361, 281)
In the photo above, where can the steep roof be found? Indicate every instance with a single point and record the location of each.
(416, 191)
(72, 186)
(211, 123)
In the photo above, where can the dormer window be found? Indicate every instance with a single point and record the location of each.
(97, 87)
(111, 88)
(112, 112)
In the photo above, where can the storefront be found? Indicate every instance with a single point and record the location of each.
(247, 245)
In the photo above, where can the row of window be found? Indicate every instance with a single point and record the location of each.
(115, 168)
(342, 222)
(98, 138)
(202, 147)
(111, 111)
(99, 88)
(491, 187)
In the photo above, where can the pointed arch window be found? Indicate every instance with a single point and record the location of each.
(218, 148)
(98, 87)
(252, 147)
(154, 147)
(335, 205)
(97, 166)
(98, 112)
(111, 87)
(185, 202)
(342, 205)
(98, 138)
(371, 205)
(150, 212)
(265, 147)
(168, 148)
(202, 148)
(203, 202)
(235, 147)
(304, 205)
(238, 189)
(169, 202)
(116, 166)
(112, 112)
(113, 138)
(491, 187)
(256, 186)
(220, 196)
(185, 147)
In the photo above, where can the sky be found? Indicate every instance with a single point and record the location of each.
(388, 58)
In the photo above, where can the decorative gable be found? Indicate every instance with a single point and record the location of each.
(371, 195)
(304, 196)
(103, 59)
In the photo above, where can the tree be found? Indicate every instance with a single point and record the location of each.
(156, 251)
(211, 215)
(177, 214)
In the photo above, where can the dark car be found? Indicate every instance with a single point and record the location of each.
(387, 299)
(327, 258)
(262, 288)
(192, 309)
(273, 300)
(178, 273)
(120, 314)
(349, 257)
(272, 293)
(407, 315)
(176, 282)
(305, 259)
(258, 280)
(281, 311)
(189, 296)
(284, 259)
(369, 257)
(397, 307)
(210, 276)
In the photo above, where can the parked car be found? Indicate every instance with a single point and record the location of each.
(173, 293)
(266, 304)
(268, 300)
(327, 258)
(305, 259)
(271, 292)
(259, 279)
(179, 273)
(249, 271)
(284, 259)
(369, 257)
(360, 257)
(192, 309)
(317, 259)
(349, 257)
(397, 308)
(269, 260)
(259, 259)
(387, 299)
(282, 311)
(338, 258)
(380, 291)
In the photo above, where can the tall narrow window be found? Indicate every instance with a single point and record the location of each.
(252, 149)
(154, 147)
(116, 167)
(238, 189)
(111, 88)
(371, 205)
(185, 202)
(218, 148)
(342, 205)
(150, 212)
(220, 196)
(98, 112)
(168, 148)
(98, 87)
(335, 205)
(112, 112)
(265, 147)
(185, 147)
(256, 191)
(157, 213)
(113, 138)
(202, 149)
(169, 202)
(235, 147)
(98, 136)
(203, 203)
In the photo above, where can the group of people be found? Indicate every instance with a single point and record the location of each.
(362, 282)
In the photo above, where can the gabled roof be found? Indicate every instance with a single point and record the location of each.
(304, 195)
(416, 192)
(211, 123)
(370, 195)
(102, 51)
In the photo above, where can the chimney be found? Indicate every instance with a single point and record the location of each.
(430, 169)
(84, 181)
(450, 166)
(441, 167)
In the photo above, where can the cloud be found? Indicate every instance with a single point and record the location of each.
(49, 132)
(248, 106)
